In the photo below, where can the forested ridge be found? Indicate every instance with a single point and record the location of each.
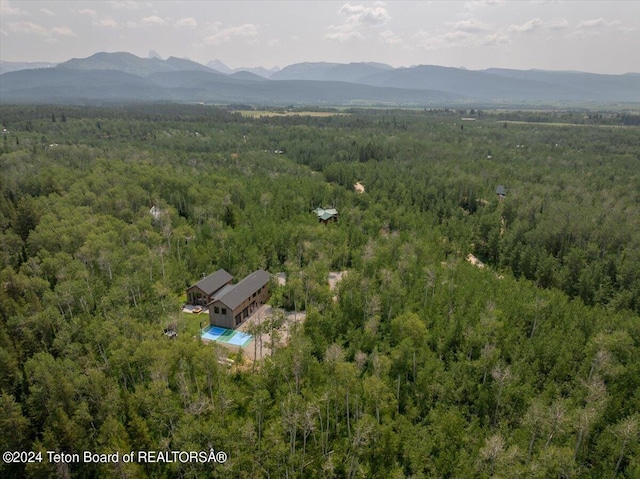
(423, 365)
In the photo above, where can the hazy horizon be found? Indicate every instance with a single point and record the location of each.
(598, 37)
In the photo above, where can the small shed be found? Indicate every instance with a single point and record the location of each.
(326, 215)
(501, 192)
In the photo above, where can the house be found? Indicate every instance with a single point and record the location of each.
(326, 215)
(203, 291)
(234, 303)
(501, 192)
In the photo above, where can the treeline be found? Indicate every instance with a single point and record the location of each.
(422, 365)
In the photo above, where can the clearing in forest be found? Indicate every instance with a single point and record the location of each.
(261, 113)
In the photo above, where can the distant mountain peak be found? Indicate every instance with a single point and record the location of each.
(218, 66)
(154, 54)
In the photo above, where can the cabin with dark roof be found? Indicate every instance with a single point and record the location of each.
(234, 303)
(204, 290)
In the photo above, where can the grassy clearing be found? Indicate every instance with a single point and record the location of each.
(542, 123)
(261, 113)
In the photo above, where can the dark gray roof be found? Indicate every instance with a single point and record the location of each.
(244, 289)
(224, 290)
(214, 282)
(500, 190)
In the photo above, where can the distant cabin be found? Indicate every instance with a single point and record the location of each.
(234, 303)
(326, 215)
(204, 290)
(501, 192)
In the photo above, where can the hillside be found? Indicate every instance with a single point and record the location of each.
(319, 83)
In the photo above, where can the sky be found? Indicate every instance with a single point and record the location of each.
(592, 36)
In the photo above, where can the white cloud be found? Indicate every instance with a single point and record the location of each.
(494, 39)
(153, 20)
(361, 15)
(187, 22)
(455, 37)
(389, 38)
(527, 27)
(558, 24)
(357, 18)
(48, 12)
(7, 9)
(28, 27)
(595, 26)
(32, 28)
(477, 4)
(598, 23)
(343, 36)
(273, 43)
(87, 11)
(247, 31)
(124, 5)
(471, 26)
(64, 31)
(108, 23)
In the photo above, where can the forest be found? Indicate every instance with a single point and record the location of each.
(420, 365)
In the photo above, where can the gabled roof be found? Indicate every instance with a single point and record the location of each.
(244, 289)
(213, 282)
(325, 214)
(500, 190)
(224, 290)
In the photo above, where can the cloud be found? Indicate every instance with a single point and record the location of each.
(32, 28)
(48, 12)
(153, 20)
(389, 38)
(477, 4)
(357, 18)
(107, 23)
(28, 27)
(124, 5)
(558, 24)
(471, 26)
(457, 39)
(7, 9)
(598, 23)
(596, 26)
(494, 40)
(187, 22)
(247, 31)
(64, 31)
(343, 36)
(527, 27)
(87, 11)
(361, 15)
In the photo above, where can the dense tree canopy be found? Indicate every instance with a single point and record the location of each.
(422, 365)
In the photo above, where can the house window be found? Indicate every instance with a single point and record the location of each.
(224, 310)
(216, 310)
(254, 294)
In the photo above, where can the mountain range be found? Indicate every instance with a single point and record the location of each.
(123, 77)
